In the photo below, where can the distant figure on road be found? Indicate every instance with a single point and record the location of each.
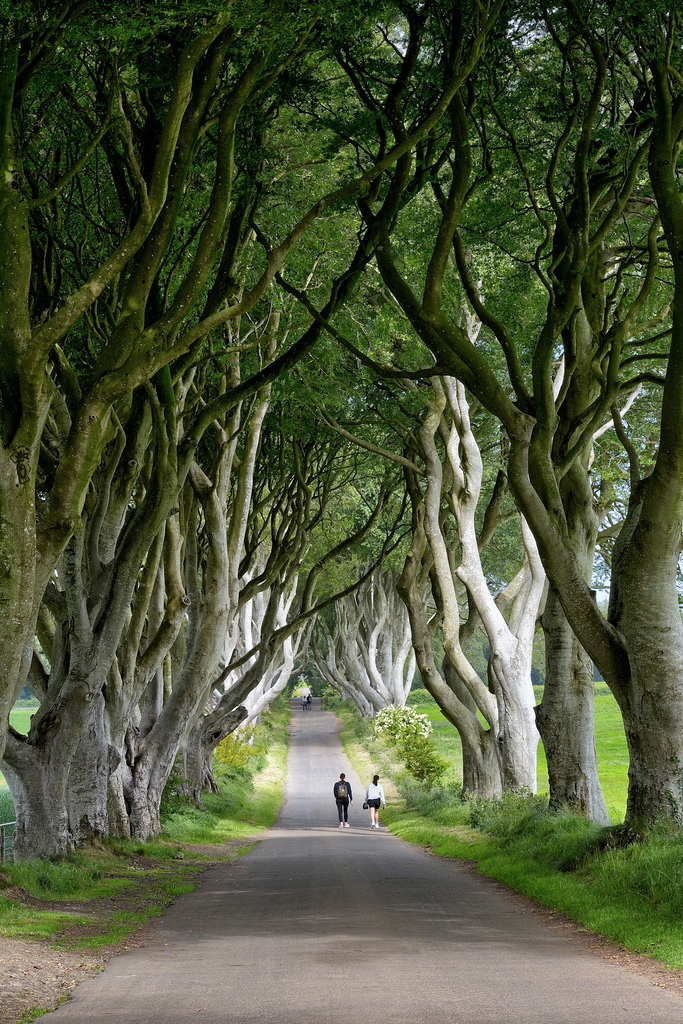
(343, 796)
(374, 796)
(309, 703)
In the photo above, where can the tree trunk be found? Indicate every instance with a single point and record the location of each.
(204, 737)
(481, 767)
(565, 719)
(481, 775)
(88, 780)
(517, 731)
(41, 821)
(644, 607)
(117, 812)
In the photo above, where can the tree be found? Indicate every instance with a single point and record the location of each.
(602, 307)
(367, 653)
(158, 242)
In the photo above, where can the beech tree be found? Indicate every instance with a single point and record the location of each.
(598, 173)
(366, 653)
(111, 306)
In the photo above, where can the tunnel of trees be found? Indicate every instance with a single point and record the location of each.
(337, 335)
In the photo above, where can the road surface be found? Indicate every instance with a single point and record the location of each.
(318, 925)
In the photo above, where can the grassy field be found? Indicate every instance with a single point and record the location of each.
(20, 719)
(609, 740)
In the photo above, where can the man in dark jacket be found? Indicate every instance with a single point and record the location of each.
(343, 796)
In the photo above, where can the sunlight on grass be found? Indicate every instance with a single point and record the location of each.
(610, 743)
(23, 922)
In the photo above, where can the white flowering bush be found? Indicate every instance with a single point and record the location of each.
(397, 724)
(410, 732)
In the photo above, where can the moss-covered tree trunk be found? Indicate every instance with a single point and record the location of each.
(565, 718)
(566, 714)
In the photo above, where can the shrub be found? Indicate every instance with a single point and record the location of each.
(236, 754)
(410, 732)
(396, 724)
(422, 760)
(420, 698)
(6, 805)
(331, 698)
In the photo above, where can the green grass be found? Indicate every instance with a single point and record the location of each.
(247, 803)
(630, 893)
(75, 878)
(25, 922)
(610, 742)
(6, 804)
(20, 719)
(38, 1011)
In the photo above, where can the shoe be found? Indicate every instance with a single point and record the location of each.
(346, 825)
(341, 825)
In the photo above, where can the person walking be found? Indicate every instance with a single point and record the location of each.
(374, 796)
(343, 796)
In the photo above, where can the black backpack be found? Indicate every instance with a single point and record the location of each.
(342, 791)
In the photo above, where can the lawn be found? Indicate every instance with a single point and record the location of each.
(20, 717)
(609, 739)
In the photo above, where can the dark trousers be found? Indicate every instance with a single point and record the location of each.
(343, 810)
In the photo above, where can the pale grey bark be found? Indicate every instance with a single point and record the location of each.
(565, 719)
(345, 677)
(369, 656)
(509, 710)
(481, 756)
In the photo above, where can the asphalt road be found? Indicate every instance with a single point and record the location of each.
(353, 926)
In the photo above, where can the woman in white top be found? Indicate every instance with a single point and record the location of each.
(374, 796)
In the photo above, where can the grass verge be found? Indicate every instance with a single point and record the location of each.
(96, 897)
(624, 886)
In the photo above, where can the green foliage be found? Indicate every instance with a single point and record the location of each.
(422, 760)
(300, 687)
(251, 784)
(58, 879)
(240, 754)
(627, 890)
(171, 798)
(6, 805)
(420, 698)
(410, 732)
(331, 698)
(397, 724)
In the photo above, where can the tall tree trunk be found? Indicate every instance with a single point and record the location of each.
(565, 718)
(481, 775)
(87, 792)
(203, 739)
(39, 775)
(481, 764)
(566, 715)
(644, 607)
